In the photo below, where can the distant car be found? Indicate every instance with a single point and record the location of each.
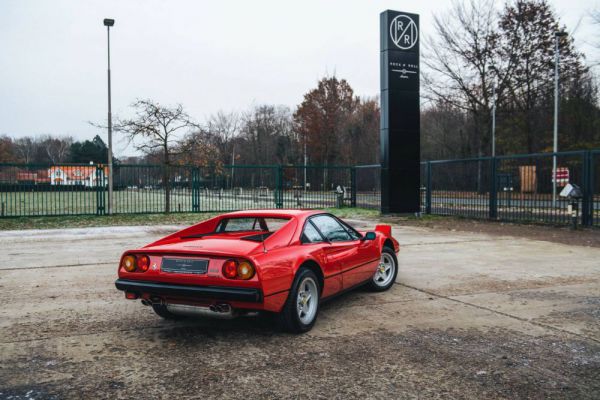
(280, 261)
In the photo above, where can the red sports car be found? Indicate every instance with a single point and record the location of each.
(279, 261)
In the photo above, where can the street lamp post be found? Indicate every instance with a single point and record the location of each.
(108, 23)
(232, 164)
(557, 36)
(493, 68)
(305, 159)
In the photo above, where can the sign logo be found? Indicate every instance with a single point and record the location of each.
(404, 32)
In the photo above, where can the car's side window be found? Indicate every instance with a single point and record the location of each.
(310, 234)
(331, 228)
(353, 233)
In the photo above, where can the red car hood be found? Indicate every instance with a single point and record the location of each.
(215, 246)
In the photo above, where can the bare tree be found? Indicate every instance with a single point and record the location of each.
(157, 129)
(458, 60)
(527, 29)
(595, 17)
(443, 134)
(26, 148)
(56, 148)
(223, 128)
(267, 133)
(7, 149)
(360, 137)
(198, 148)
(518, 40)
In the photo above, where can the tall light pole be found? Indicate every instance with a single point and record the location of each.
(232, 163)
(493, 68)
(108, 23)
(305, 160)
(557, 36)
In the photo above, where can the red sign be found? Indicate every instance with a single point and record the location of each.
(562, 176)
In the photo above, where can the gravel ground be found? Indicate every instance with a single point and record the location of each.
(473, 315)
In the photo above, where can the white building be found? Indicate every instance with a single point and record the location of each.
(82, 175)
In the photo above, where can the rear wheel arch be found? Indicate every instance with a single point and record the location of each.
(314, 267)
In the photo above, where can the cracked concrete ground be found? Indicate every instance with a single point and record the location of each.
(472, 315)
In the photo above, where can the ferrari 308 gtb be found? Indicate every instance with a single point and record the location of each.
(279, 261)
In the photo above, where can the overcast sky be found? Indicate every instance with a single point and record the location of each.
(207, 55)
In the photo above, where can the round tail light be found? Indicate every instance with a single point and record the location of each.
(128, 263)
(230, 269)
(143, 262)
(245, 270)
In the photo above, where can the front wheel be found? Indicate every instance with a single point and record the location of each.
(302, 306)
(386, 272)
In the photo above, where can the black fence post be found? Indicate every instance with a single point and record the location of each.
(428, 189)
(353, 186)
(593, 183)
(587, 208)
(195, 189)
(279, 187)
(100, 189)
(493, 190)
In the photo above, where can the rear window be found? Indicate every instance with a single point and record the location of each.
(251, 224)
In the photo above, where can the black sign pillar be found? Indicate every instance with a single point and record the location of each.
(400, 113)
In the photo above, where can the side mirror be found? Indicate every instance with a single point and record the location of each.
(369, 236)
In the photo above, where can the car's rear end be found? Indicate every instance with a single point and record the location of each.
(203, 283)
(217, 282)
(203, 270)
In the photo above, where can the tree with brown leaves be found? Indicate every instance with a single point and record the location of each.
(321, 116)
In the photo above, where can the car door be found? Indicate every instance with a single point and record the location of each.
(365, 259)
(353, 257)
(321, 251)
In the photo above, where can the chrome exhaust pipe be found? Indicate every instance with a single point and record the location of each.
(222, 308)
(219, 310)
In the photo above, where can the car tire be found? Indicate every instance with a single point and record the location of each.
(386, 272)
(301, 308)
(162, 311)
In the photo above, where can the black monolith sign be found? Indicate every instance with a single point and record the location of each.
(400, 113)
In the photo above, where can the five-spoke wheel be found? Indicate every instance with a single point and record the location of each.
(302, 306)
(386, 272)
(307, 300)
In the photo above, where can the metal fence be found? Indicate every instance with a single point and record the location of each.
(508, 188)
(368, 186)
(514, 188)
(80, 189)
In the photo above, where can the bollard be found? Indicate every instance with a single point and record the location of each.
(573, 210)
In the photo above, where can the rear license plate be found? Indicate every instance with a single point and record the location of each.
(184, 266)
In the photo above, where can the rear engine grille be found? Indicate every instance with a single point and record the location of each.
(184, 266)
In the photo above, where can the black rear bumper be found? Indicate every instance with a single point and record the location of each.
(201, 292)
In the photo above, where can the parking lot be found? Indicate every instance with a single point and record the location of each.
(472, 315)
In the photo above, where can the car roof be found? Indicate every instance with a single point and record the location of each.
(279, 213)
